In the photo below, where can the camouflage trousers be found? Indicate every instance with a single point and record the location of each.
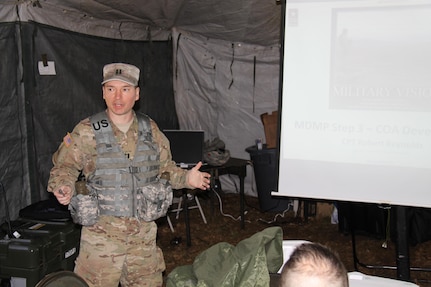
(118, 249)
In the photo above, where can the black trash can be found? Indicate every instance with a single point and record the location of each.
(264, 165)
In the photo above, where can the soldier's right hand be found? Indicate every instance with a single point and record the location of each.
(63, 194)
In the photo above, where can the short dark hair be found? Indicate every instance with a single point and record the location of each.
(313, 261)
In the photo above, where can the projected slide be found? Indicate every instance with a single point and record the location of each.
(356, 102)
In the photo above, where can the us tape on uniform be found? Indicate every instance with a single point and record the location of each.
(154, 200)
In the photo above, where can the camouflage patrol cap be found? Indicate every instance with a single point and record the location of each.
(121, 72)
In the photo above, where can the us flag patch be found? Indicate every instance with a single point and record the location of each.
(67, 140)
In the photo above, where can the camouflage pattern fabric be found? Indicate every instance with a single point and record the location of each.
(154, 200)
(78, 152)
(114, 247)
(129, 254)
(118, 177)
(84, 209)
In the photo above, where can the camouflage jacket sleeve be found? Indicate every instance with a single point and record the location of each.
(76, 152)
(177, 174)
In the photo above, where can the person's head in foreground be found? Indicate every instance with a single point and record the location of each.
(313, 265)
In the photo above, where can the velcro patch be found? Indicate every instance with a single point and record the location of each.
(67, 140)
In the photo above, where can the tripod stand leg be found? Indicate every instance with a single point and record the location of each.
(403, 258)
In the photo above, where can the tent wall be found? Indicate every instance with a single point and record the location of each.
(131, 20)
(14, 177)
(51, 105)
(222, 88)
(215, 64)
(253, 21)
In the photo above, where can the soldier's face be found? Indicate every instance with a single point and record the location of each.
(120, 97)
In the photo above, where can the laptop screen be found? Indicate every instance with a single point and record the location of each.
(186, 146)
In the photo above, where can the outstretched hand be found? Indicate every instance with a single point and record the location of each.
(198, 179)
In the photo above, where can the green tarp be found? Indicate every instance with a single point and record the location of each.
(247, 264)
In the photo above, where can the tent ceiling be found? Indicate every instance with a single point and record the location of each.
(254, 21)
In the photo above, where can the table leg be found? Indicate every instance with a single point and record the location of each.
(242, 199)
(186, 218)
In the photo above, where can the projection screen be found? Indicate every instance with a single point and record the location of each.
(356, 101)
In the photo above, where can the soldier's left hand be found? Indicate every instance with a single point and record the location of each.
(198, 179)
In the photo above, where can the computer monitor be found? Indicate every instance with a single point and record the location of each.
(186, 146)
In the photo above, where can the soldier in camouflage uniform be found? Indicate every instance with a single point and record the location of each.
(119, 247)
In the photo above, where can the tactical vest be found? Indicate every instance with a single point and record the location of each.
(117, 178)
